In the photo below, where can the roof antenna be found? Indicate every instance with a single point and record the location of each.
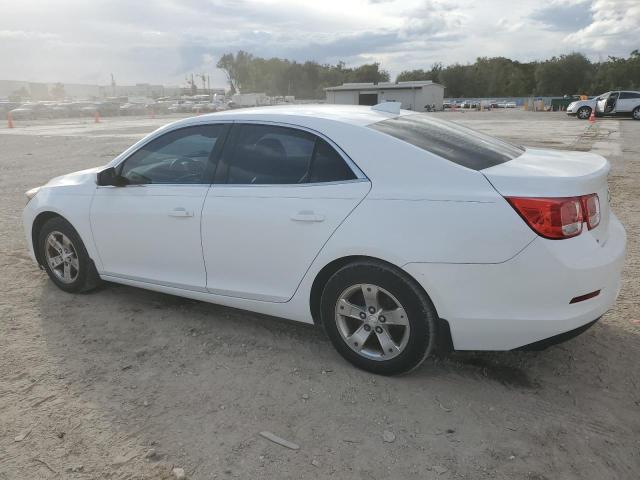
(388, 107)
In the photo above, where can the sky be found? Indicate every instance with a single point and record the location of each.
(160, 41)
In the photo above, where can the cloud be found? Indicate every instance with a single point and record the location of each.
(564, 16)
(161, 41)
(614, 30)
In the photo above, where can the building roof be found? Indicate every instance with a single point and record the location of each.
(383, 85)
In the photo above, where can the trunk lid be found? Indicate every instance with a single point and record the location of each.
(554, 173)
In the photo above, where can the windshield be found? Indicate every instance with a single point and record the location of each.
(449, 140)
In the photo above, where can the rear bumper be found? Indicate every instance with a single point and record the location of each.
(526, 299)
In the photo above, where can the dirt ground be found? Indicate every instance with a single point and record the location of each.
(124, 383)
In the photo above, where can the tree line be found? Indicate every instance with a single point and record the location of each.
(569, 74)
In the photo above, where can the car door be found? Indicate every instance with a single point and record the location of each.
(601, 102)
(611, 103)
(279, 194)
(627, 102)
(149, 229)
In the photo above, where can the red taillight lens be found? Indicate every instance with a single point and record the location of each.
(591, 210)
(553, 218)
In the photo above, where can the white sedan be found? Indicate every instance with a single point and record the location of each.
(398, 232)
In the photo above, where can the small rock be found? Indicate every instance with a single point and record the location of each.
(22, 435)
(512, 457)
(125, 367)
(151, 453)
(388, 436)
(439, 469)
(305, 396)
(145, 403)
(315, 463)
(178, 473)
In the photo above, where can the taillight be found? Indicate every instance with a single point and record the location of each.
(591, 210)
(558, 218)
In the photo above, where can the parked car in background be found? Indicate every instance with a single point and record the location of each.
(398, 232)
(133, 109)
(203, 107)
(32, 111)
(623, 103)
(61, 110)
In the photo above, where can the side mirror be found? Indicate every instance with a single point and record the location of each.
(110, 178)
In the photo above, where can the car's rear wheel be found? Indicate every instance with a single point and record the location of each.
(378, 318)
(65, 258)
(636, 113)
(584, 113)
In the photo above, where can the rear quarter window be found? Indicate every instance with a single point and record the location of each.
(450, 141)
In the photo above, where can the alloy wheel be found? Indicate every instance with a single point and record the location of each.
(62, 257)
(372, 322)
(584, 113)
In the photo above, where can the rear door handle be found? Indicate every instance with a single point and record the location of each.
(180, 212)
(307, 216)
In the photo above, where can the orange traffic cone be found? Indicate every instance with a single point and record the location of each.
(592, 117)
(9, 120)
(97, 117)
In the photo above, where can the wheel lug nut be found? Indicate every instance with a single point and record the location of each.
(363, 315)
(372, 310)
(367, 328)
(382, 319)
(379, 329)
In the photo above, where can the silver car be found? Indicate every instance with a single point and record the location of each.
(623, 103)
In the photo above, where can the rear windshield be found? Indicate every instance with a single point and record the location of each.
(448, 140)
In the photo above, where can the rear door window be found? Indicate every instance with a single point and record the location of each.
(276, 155)
(450, 141)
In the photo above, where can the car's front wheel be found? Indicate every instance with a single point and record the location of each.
(65, 258)
(378, 318)
(584, 113)
(636, 113)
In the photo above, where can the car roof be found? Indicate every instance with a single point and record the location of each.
(309, 116)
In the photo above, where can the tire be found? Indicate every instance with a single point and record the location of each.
(583, 113)
(636, 113)
(403, 315)
(61, 251)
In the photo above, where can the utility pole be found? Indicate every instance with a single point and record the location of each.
(113, 86)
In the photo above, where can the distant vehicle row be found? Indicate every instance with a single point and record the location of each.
(478, 104)
(49, 110)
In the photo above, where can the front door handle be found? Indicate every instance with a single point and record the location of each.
(307, 216)
(180, 212)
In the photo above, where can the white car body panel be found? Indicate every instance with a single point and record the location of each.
(497, 283)
(271, 234)
(151, 233)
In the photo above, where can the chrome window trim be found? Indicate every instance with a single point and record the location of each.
(360, 175)
(287, 185)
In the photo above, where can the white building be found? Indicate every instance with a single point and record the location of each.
(412, 95)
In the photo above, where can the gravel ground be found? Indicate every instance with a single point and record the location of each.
(125, 383)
